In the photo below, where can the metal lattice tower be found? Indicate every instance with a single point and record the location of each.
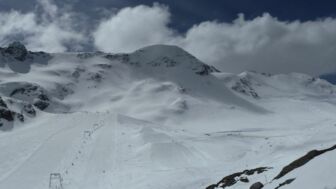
(55, 181)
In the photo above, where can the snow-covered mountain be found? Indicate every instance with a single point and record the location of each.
(159, 118)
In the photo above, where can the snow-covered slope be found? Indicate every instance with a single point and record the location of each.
(155, 118)
(263, 85)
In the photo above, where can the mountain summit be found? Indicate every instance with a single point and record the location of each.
(159, 118)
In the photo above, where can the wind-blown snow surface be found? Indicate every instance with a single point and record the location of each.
(158, 118)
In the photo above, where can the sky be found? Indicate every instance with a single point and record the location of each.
(278, 36)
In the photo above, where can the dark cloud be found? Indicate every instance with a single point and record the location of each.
(186, 13)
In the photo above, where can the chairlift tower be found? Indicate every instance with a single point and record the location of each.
(55, 181)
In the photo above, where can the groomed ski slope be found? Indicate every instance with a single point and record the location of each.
(122, 152)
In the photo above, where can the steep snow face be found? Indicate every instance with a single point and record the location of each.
(170, 56)
(156, 118)
(176, 65)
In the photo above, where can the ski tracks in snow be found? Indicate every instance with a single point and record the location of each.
(100, 164)
(82, 148)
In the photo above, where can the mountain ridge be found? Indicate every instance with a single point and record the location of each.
(115, 120)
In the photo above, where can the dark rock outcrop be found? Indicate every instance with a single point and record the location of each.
(29, 110)
(244, 86)
(205, 70)
(232, 179)
(125, 58)
(19, 59)
(28, 89)
(302, 161)
(41, 104)
(257, 185)
(20, 117)
(17, 50)
(6, 114)
(288, 181)
(39, 96)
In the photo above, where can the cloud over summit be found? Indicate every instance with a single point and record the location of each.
(263, 43)
(133, 28)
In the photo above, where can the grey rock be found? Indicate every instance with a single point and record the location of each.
(17, 50)
(257, 185)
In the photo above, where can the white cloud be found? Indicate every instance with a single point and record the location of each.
(133, 28)
(53, 33)
(264, 44)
